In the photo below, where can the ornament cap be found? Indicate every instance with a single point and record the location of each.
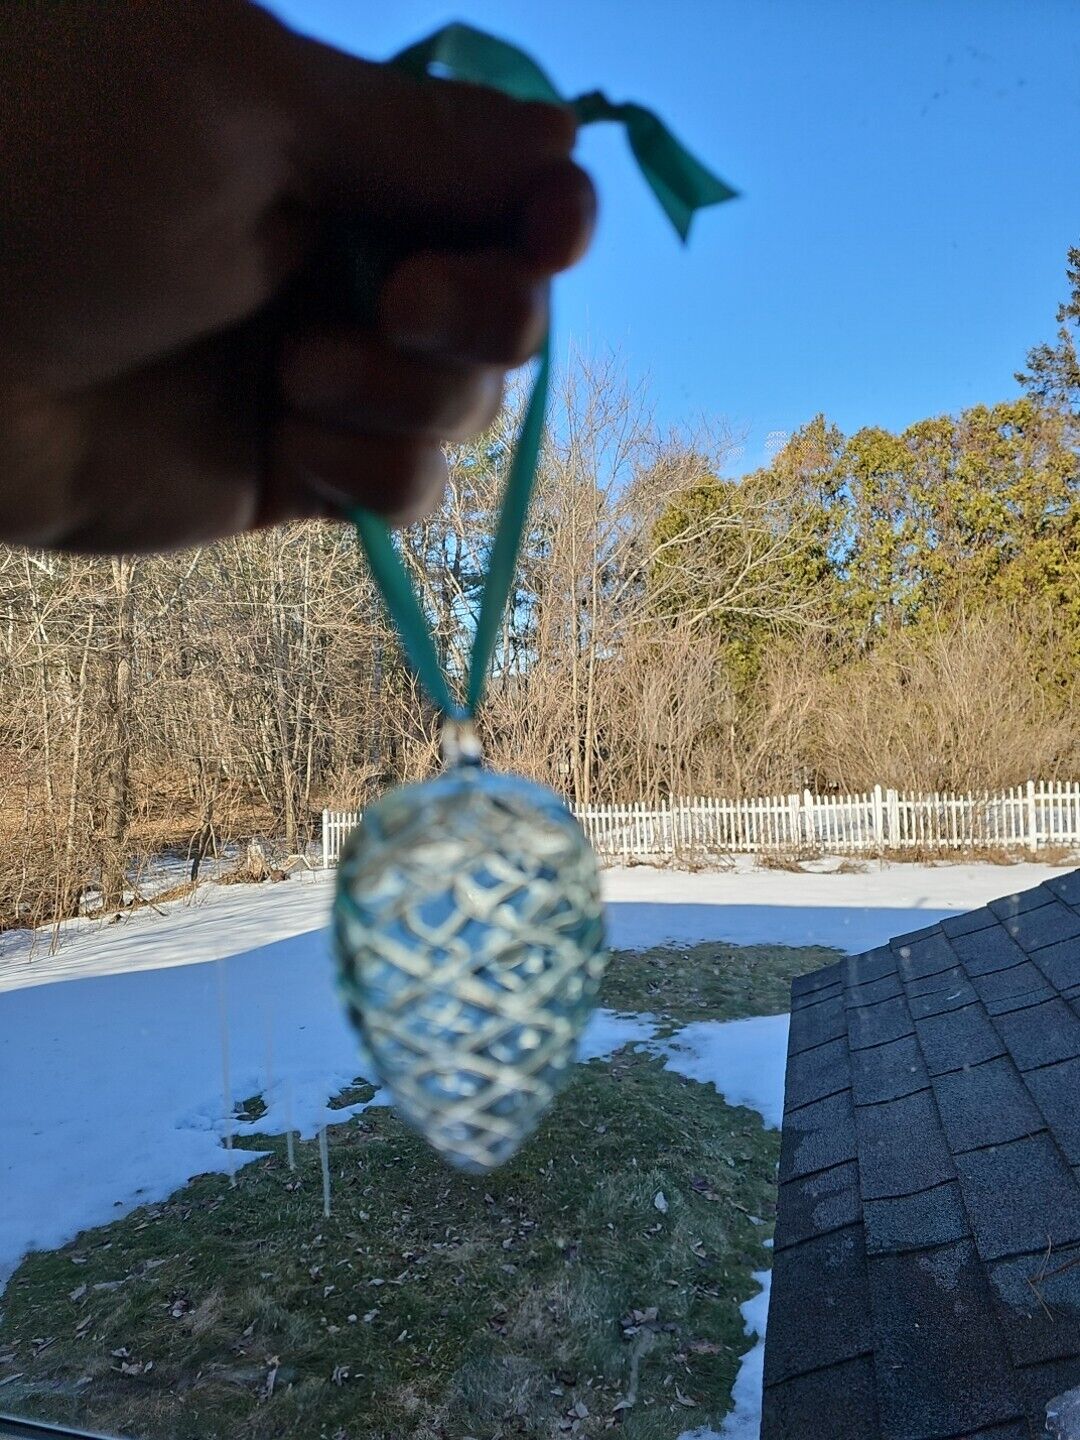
(460, 743)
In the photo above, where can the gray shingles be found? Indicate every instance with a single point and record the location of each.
(968, 923)
(954, 1219)
(916, 959)
(952, 997)
(915, 1222)
(1020, 1197)
(1038, 1300)
(888, 1071)
(803, 986)
(817, 1136)
(816, 1204)
(985, 1105)
(1056, 1091)
(1060, 964)
(1003, 984)
(831, 1322)
(817, 1025)
(1066, 887)
(1020, 1002)
(814, 1074)
(1040, 1034)
(839, 1403)
(934, 984)
(874, 965)
(876, 1024)
(902, 1147)
(958, 1038)
(1009, 906)
(884, 989)
(941, 1366)
(987, 950)
(1045, 926)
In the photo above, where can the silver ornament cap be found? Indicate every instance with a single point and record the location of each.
(470, 947)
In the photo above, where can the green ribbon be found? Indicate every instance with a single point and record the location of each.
(680, 183)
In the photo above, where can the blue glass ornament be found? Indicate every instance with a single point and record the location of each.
(470, 946)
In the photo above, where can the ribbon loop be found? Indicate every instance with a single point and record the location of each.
(680, 183)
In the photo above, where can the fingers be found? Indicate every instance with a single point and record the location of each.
(482, 307)
(316, 471)
(407, 151)
(359, 383)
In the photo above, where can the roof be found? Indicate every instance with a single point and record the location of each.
(926, 1279)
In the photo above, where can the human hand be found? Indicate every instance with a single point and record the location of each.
(165, 170)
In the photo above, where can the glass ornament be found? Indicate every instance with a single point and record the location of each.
(470, 947)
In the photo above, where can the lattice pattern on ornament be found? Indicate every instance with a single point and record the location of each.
(470, 943)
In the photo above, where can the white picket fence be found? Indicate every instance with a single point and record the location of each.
(1031, 817)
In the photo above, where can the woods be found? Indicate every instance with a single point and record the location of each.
(902, 608)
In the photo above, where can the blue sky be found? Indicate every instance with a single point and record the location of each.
(910, 178)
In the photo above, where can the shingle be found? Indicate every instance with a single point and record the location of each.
(1039, 1305)
(876, 1024)
(874, 965)
(888, 1071)
(839, 1403)
(1040, 1034)
(1056, 1091)
(941, 1366)
(957, 1038)
(987, 950)
(985, 1105)
(814, 1074)
(1009, 906)
(829, 1320)
(1020, 1197)
(915, 1222)
(969, 922)
(916, 959)
(1066, 887)
(804, 986)
(910, 937)
(816, 1204)
(939, 981)
(1039, 1384)
(953, 997)
(1060, 964)
(1002, 984)
(1020, 1002)
(816, 1025)
(884, 989)
(817, 1136)
(902, 1147)
(1045, 926)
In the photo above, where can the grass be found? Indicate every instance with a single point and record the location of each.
(558, 1296)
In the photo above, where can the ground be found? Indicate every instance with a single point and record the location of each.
(596, 1281)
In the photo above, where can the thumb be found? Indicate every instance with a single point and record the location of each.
(453, 159)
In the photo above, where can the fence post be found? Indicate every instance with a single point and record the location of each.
(1032, 819)
(879, 818)
(325, 839)
(795, 820)
(892, 814)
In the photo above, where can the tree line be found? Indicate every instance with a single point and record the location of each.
(902, 608)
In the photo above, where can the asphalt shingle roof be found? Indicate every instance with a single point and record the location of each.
(926, 1280)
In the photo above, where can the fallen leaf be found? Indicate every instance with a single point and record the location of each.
(77, 1293)
(685, 1399)
(660, 1201)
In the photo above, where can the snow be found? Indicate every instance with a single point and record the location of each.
(743, 1059)
(743, 1422)
(112, 1092)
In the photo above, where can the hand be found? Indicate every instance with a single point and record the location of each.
(165, 169)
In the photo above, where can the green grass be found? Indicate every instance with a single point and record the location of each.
(548, 1299)
(711, 981)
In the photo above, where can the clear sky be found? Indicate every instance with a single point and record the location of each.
(910, 178)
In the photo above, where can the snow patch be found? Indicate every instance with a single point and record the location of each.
(744, 1061)
(743, 1421)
